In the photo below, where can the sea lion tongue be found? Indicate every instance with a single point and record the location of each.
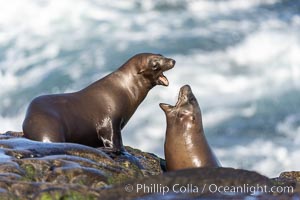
(163, 80)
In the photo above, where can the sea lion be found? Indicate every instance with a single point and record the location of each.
(95, 115)
(185, 143)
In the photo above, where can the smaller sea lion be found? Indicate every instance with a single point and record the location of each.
(185, 143)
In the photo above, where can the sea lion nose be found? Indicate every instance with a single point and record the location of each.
(172, 62)
(185, 89)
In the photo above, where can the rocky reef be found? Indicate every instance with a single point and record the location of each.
(35, 170)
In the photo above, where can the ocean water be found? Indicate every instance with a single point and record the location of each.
(241, 58)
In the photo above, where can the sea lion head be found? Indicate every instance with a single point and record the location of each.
(186, 108)
(152, 66)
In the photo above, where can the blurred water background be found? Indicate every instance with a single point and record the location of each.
(241, 58)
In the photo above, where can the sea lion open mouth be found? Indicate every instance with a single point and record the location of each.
(182, 98)
(168, 64)
(162, 80)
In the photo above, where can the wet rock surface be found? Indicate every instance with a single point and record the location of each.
(35, 170)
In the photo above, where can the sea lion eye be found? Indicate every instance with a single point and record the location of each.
(192, 98)
(155, 67)
(155, 63)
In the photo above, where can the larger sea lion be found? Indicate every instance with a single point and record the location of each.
(95, 115)
(185, 143)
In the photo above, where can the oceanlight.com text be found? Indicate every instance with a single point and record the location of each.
(206, 188)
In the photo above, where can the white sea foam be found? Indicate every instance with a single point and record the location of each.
(269, 159)
(11, 123)
(290, 128)
(206, 7)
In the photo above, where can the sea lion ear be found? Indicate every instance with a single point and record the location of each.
(166, 107)
(155, 67)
